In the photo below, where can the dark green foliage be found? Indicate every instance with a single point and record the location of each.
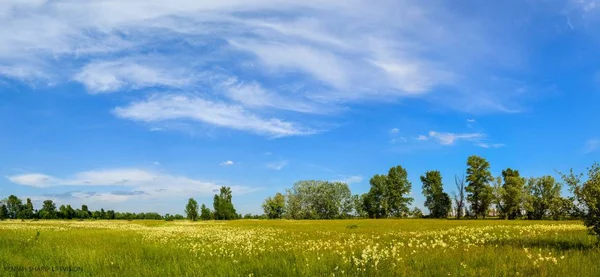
(274, 207)
(13, 206)
(387, 195)
(542, 193)
(436, 200)
(3, 211)
(512, 193)
(205, 213)
(223, 206)
(416, 213)
(191, 210)
(587, 195)
(479, 191)
(48, 210)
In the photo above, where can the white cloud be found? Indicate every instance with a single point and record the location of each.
(471, 120)
(487, 145)
(278, 165)
(141, 184)
(398, 139)
(174, 107)
(592, 145)
(111, 76)
(322, 65)
(255, 96)
(422, 137)
(394, 131)
(339, 50)
(450, 138)
(227, 163)
(350, 179)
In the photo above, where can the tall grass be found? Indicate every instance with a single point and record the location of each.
(297, 248)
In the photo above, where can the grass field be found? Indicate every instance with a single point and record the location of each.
(297, 248)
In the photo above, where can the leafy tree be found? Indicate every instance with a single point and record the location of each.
(562, 208)
(416, 213)
(398, 188)
(27, 212)
(542, 193)
(376, 201)
(3, 211)
(359, 208)
(478, 188)
(205, 213)
(587, 195)
(512, 193)
(14, 205)
(96, 215)
(48, 210)
(318, 200)
(436, 200)
(387, 195)
(274, 207)
(459, 197)
(110, 214)
(85, 212)
(223, 206)
(191, 209)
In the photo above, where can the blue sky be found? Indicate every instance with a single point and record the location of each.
(139, 105)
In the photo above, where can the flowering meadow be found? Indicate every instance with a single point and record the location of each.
(409, 247)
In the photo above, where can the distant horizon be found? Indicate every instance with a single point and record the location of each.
(136, 106)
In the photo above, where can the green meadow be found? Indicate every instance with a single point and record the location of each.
(402, 247)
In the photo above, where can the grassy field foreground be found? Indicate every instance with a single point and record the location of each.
(297, 248)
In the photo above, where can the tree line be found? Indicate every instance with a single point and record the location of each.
(478, 194)
(14, 208)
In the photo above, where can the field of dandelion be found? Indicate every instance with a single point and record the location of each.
(410, 247)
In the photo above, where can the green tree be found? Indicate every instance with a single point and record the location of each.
(274, 207)
(3, 211)
(398, 189)
(587, 195)
(191, 210)
(48, 210)
(318, 200)
(512, 193)
(562, 208)
(223, 205)
(359, 207)
(14, 205)
(375, 202)
(541, 194)
(110, 214)
(479, 191)
(387, 196)
(416, 213)
(85, 212)
(205, 213)
(436, 200)
(27, 212)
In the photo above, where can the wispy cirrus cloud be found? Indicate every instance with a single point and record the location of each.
(447, 138)
(111, 76)
(181, 107)
(283, 55)
(450, 138)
